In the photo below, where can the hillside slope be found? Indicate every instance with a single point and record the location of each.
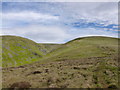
(50, 47)
(90, 62)
(85, 48)
(18, 51)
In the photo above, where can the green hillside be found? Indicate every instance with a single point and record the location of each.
(50, 47)
(89, 62)
(18, 51)
(87, 47)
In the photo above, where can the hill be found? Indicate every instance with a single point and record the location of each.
(87, 47)
(18, 51)
(90, 62)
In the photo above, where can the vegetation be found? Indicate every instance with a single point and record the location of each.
(18, 51)
(90, 62)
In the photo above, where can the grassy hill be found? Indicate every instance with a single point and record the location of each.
(87, 47)
(89, 62)
(50, 47)
(18, 51)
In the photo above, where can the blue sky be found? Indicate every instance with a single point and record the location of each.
(59, 22)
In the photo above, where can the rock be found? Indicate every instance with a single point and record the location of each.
(76, 68)
(36, 72)
(53, 86)
(20, 85)
(46, 70)
(112, 86)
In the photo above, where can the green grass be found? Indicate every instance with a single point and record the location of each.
(84, 48)
(18, 51)
(89, 62)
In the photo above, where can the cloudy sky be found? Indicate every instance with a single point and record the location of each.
(59, 22)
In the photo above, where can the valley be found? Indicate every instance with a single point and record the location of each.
(88, 62)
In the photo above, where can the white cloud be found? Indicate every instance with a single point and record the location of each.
(92, 32)
(28, 16)
(61, 0)
(66, 13)
(53, 34)
(41, 34)
(115, 26)
(102, 12)
(92, 12)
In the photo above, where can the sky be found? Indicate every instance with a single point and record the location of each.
(59, 22)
